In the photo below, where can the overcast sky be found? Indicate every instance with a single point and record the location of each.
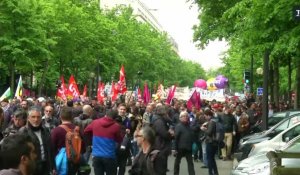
(178, 18)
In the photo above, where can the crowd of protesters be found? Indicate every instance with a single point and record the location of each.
(118, 134)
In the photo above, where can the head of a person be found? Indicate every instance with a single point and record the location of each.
(4, 102)
(146, 135)
(87, 110)
(18, 152)
(66, 114)
(184, 117)
(238, 110)
(48, 111)
(20, 118)
(122, 109)
(24, 104)
(161, 110)
(34, 116)
(208, 114)
(70, 103)
(111, 113)
(149, 108)
(183, 107)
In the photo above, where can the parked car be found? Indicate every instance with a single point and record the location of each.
(260, 164)
(247, 142)
(276, 142)
(278, 116)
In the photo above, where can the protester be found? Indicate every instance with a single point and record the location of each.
(164, 134)
(18, 120)
(106, 138)
(148, 160)
(18, 155)
(211, 145)
(48, 120)
(42, 141)
(183, 144)
(58, 136)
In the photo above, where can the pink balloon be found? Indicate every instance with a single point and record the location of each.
(200, 83)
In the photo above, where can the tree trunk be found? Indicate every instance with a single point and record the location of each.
(42, 82)
(12, 66)
(289, 80)
(271, 81)
(276, 81)
(297, 85)
(265, 105)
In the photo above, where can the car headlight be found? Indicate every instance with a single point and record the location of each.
(260, 169)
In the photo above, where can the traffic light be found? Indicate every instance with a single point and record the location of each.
(247, 76)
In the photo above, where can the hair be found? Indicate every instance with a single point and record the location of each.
(34, 109)
(13, 148)
(20, 113)
(66, 113)
(148, 134)
(183, 113)
(70, 103)
(208, 112)
(112, 113)
(161, 110)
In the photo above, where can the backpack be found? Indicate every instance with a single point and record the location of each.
(61, 162)
(73, 144)
(220, 131)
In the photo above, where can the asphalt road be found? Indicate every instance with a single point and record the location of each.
(224, 167)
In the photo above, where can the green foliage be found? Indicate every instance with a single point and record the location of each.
(63, 37)
(250, 27)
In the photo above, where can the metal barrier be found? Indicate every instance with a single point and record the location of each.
(276, 167)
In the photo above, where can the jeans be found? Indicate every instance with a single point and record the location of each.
(204, 153)
(211, 150)
(104, 165)
(189, 159)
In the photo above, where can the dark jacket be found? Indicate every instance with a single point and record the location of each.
(49, 157)
(229, 123)
(163, 137)
(210, 132)
(147, 164)
(183, 137)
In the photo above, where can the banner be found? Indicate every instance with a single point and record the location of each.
(212, 94)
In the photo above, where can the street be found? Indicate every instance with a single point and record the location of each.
(224, 167)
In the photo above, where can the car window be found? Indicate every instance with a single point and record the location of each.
(292, 133)
(295, 147)
(282, 127)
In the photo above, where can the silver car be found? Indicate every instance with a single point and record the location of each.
(260, 164)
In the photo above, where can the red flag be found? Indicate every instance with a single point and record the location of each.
(194, 100)
(171, 94)
(122, 81)
(73, 91)
(114, 91)
(146, 94)
(84, 91)
(139, 95)
(62, 90)
(100, 93)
